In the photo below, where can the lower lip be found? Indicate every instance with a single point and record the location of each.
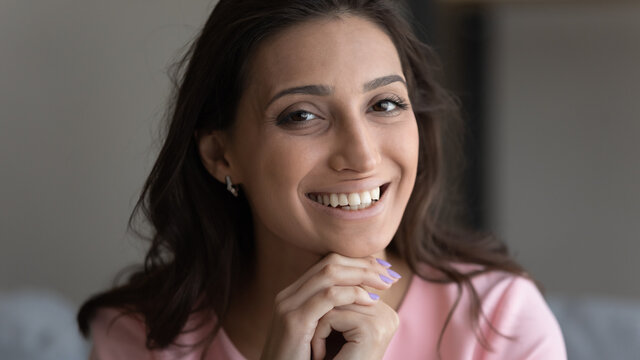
(373, 210)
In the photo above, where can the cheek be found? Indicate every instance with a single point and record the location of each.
(283, 163)
(411, 145)
(402, 145)
(272, 178)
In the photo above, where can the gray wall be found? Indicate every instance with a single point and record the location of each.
(565, 143)
(83, 87)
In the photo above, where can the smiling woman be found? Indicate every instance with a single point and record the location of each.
(303, 158)
(332, 129)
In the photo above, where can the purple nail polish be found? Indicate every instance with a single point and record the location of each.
(394, 274)
(374, 296)
(386, 279)
(383, 263)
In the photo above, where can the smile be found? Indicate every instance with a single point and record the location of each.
(349, 201)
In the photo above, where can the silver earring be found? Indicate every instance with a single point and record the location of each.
(230, 186)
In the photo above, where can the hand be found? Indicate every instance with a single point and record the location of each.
(330, 295)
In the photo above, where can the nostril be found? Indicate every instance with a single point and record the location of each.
(356, 153)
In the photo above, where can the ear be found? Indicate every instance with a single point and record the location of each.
(213, 153)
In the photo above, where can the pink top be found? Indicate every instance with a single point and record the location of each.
(512, 304)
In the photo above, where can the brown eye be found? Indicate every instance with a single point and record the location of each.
(299, 116)
(384, 106)
(302, 116)
(389, 106)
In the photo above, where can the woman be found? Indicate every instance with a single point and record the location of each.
(303, 158)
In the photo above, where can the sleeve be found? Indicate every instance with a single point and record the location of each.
(123, 338)
(532, 332)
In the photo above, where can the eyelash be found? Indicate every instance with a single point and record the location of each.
(396, 100)
(286, 119)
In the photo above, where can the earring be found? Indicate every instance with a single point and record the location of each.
(230, 186)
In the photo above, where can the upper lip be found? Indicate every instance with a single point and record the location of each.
(348, 187)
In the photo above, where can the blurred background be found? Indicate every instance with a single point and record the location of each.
(551, 98)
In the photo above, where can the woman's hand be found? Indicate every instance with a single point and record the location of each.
(330, 295)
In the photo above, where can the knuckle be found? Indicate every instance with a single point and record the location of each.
(331, 293)
(381, 333)
(369, 273)
(376, 334)
(372, 261)
(330, 271)
(281, 308)
(280, 297)
(357, 291)
(291, 321)
(333, 257)
(395, 320)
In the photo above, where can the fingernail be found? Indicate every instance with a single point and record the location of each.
(394, 274)
(383, 263)
(386, 279)
(374, 296)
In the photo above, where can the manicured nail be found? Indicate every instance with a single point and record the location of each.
(386, 279)
(394, 274)
(383, 263)
(374, 296)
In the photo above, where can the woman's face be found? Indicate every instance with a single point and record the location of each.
(326, 118)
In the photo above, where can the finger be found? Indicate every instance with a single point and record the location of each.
(366, 335)
(310, 313)
(324, 301)
(338, 275)
(337, 320)
(364, 310)
(370, 262)
(319, 346)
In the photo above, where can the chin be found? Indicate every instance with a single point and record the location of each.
(359, 250)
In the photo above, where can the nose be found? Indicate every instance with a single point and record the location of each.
(356, 147)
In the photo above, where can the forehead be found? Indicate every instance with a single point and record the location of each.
(340, 51)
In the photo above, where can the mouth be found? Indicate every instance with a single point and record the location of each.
(352, 201)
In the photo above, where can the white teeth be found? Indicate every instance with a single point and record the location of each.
(334, 200)
(350, 201)
(365, 197)
(354, 199)
(375, 194)
(356, 207)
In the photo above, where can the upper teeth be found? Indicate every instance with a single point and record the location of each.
(362, 198)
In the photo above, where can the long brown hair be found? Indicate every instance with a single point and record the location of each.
(202, 237)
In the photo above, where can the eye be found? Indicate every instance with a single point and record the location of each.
(384, 105)
(294, 117)
(389, 105)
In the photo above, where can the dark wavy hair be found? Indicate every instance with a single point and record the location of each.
(201, 239)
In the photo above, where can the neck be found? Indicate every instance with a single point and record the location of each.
(278, 265)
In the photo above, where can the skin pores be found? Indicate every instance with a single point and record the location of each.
(342, 129)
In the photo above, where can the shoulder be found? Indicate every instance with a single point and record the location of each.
(515, 320)
(119, 335)
(524, 325)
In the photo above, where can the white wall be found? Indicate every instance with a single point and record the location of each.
(82, 89)
(565, 143)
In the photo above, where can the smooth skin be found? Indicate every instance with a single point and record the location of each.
(347, 127)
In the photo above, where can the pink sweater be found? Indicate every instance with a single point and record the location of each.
(512, 304)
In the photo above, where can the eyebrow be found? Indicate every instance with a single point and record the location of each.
(323, 90)
(382, 81)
